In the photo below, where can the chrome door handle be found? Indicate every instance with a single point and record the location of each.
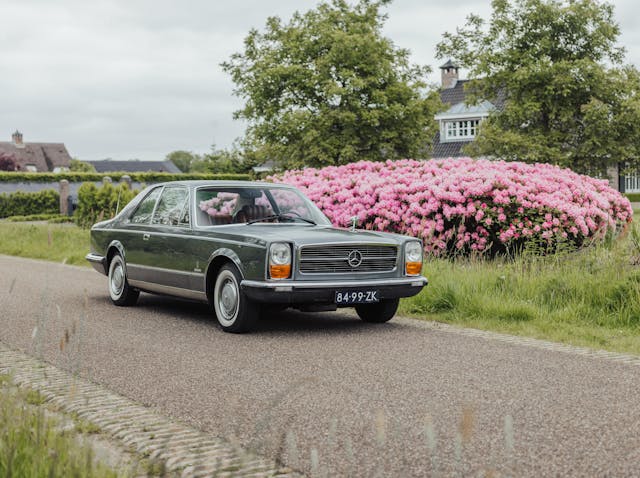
(145, 236)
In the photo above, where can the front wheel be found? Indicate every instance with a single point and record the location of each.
(235, 312)
(383, 311)
(119, 289)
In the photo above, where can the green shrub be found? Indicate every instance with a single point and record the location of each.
(147, 178)
(53, 218)
(633, 197)
(22, 203)
(99, 203)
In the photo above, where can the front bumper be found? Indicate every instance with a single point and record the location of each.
(98, 262)
(308, 292)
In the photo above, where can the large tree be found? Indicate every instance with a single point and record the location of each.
(328, 88)
(568, 97)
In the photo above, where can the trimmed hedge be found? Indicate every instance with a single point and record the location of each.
(72, 177)
(22, 204)
(52, 218)
(99, 203)
(633, 197)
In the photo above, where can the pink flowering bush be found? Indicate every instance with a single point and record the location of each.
(457, 206)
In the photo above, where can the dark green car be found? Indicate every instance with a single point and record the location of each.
(240, 245)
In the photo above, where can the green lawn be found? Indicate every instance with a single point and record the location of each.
(588, 298)
(54, 242)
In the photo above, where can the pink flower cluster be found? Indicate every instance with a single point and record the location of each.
(461, 205)
(221, 205)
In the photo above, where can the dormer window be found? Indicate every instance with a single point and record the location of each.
(461, 129)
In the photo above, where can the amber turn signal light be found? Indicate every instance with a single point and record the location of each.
(280, 271)
(413, 268)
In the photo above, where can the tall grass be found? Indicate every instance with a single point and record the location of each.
(589, 297)
(53, 242)
(32, 445)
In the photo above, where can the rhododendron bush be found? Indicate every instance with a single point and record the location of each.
(457, 206)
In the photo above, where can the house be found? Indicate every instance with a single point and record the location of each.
(459, 125)
(36, 157)
(134, 166)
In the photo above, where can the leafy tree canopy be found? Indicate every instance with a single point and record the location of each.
(327, 88)
(569, 99)
(217, 161)
(184, 160)
(81, 166)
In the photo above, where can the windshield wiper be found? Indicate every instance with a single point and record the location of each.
(281, 216)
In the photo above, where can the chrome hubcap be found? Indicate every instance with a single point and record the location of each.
(228, 299)
(117, 279)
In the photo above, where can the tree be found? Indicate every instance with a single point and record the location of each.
(328, 88)
(568, 98)
(8, 162)
(184, 160)
(81, 166)
(222, 161)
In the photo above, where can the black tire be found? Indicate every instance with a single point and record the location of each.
(383, 311)
(234, 311)
(121, 293)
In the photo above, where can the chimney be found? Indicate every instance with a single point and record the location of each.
(17, 138)
(449, 74)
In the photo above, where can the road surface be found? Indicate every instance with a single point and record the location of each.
(330, 395)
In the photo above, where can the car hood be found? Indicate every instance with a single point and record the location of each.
(301, 234)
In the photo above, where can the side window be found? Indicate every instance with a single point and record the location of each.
(142, 214)
(171, 207)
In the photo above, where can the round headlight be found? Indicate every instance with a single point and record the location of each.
(413, 252)
(280, 254)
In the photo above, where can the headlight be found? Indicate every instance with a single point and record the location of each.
(413, 258)
(279, 260)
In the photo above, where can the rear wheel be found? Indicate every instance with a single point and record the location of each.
(120, 291)
(235, 312)
(383, 311)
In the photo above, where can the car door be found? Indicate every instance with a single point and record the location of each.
(170, 241)
(135, 235)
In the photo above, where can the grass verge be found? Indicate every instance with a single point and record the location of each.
(588, 298)
(32, 444)
(52, 242)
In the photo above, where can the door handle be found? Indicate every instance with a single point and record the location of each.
(146, 236)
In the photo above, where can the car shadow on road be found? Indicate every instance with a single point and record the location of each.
(289, 320)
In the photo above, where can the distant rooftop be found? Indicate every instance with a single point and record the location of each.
(134, 166)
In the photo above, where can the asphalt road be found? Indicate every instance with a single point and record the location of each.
(331, 394)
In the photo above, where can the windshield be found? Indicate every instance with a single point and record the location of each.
(239, 205)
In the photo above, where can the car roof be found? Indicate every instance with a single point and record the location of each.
(230, 183)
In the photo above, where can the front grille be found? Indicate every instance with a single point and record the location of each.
(334, 259)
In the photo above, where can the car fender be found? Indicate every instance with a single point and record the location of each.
(227, 254)
(118, 245)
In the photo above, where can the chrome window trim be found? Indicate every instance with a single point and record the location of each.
(205, 238)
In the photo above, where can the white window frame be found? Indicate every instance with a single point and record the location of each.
(632, 181)
(461, 129)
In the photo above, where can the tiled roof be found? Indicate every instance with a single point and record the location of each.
(453, 97)
(447, 149)
(44, 156)
(110, 166)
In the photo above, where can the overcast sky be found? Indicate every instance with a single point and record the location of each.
(140, 78)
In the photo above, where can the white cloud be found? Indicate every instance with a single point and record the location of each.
(140, 78)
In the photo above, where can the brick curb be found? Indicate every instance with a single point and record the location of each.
(184, 450)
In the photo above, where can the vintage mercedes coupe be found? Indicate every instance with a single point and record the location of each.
(242, 246)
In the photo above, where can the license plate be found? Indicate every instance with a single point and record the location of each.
(356, 297)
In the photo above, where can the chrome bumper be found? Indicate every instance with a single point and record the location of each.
(292, 292)
(98, 262)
